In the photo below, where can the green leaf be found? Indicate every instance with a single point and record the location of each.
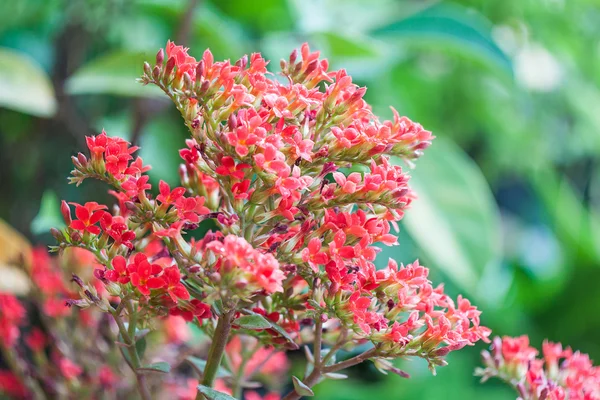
(450, 26)
(344, 46)
(199, 365)
(291, 344)
(49, 215)
(24, 86)
(114, 73)
(212, 394)
(454, 219)
(301, 388)
(162, 367)
(255, 321)
(140, 346)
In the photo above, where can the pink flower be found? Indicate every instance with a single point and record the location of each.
(273, 161)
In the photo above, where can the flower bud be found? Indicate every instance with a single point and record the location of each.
(156, 73)
(147, 69)
(113, 288)
(58, 235)
(66, 212)
(160, 57)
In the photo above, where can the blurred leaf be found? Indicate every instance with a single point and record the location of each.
(113, 73)
(255, 321)
(454, 219)
(345, 46)
(159, 147)
(24, 86)
(199, 364)
(161, 366)
(576, 225)
(449, 25)
(212, 394)
(49, 214)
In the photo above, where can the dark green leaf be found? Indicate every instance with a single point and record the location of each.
(24, 86)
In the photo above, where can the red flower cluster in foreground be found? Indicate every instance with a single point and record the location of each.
(558, 375)
(292, 260)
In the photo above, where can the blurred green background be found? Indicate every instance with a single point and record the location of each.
(508, 194)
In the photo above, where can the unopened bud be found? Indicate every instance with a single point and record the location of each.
(293, 56)
(232, 122)
(58, 235)
(81, 158)
(160, 57)
(187, 81)
(311, 67)
(77, 280)
(242, 62)
(199, 70)
(147, 69)
(283, 64)
(169, 68)
(112, 288)
(156, 73)
(66, 212)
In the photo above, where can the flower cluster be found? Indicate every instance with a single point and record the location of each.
(559, 374)
(304, 184)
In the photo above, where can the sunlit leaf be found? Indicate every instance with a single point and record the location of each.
(450, 27)
(114, 73)
(24, 86)
(454, 219)
(48, 215)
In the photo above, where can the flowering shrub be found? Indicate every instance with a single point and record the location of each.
(302, 181)
(560, 374)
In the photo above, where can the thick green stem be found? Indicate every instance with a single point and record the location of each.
(217, 348)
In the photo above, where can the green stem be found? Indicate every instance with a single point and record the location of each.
(217, 348)
(129, 339)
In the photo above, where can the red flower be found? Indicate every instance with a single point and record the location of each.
(87, 217)
(69, 369)
(189, 310)
(135, 186)
(144, 276)
(12, 314)
(228, 168)
(119, 273)
(175, 288)
(36, 340)
(189, 209)
(167, 196)
(116, 227)
(12, 386)
(313, 255)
